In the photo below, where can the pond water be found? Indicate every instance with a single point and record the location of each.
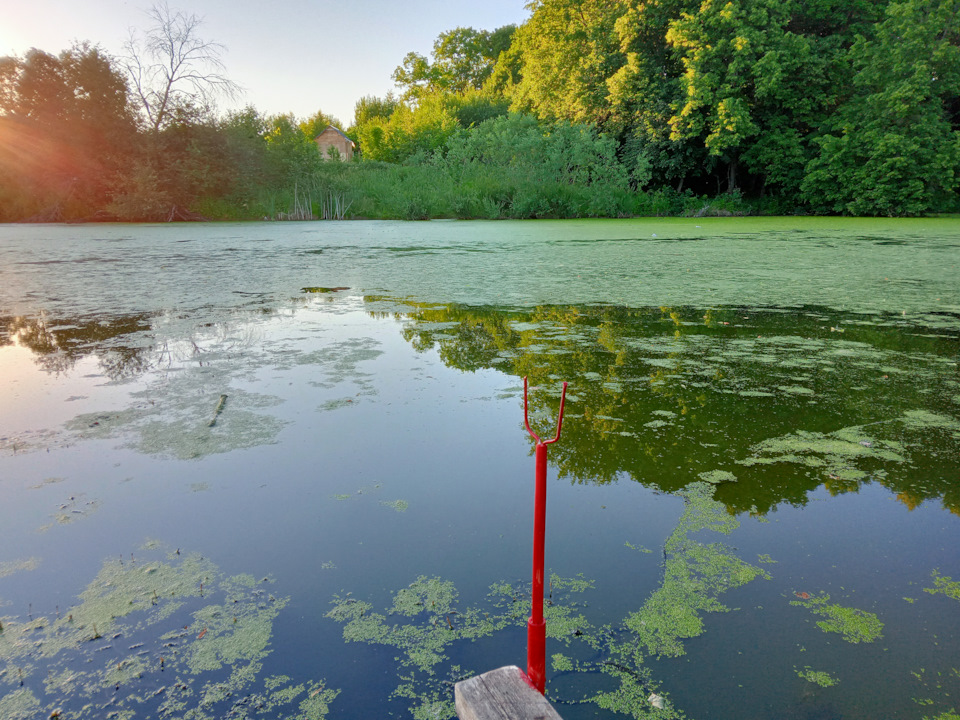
(280, 470)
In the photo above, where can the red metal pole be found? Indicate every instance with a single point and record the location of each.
(536, 625)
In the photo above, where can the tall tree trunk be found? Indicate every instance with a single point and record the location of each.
(732, 175)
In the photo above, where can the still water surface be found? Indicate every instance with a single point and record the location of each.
(279, 470)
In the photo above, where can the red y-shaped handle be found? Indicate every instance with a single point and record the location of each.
(536, 625)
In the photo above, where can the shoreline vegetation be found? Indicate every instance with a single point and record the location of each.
(586, 110)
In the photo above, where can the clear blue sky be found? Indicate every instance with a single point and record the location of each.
(296, 56)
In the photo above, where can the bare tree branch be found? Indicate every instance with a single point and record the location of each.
(170, 65)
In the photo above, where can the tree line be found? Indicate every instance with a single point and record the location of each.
(591, 108)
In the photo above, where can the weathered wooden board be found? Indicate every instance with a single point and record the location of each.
(501, 694)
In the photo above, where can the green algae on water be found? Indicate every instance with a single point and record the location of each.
(695, 575)
(817, 677)
(430, 620)
(9, 567)
(715, 477)
(839, 456)
(178, 425)
(923, 419)
(944, 585)
(151, 638)
(853, 624)
(398, 505)
(21, 704)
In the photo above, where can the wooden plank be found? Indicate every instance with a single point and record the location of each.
(502, 694)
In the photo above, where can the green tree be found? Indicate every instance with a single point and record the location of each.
(533, 169)
(317, 123)
(567, 50)
(369, 107)
(748, 79)
(292, 155)
(643, 91)
(409, 131)
(894, 148)
(175, 167)
(68, 126)
(463, 59)
(244, 132)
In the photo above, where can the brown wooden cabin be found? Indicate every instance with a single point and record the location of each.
(333, 138)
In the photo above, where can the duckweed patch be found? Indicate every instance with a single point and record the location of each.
(696, 574)
(153, 637)
(943, 585)
(20, 704)
(9, 567)
(836, 456)
(923, 420)
(398, 505)
(852, 624)
(715, 477)
(817, 677)
(431, 620)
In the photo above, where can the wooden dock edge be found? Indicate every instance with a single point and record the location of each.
(501, 694)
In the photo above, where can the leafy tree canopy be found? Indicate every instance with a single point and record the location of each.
(463, 59)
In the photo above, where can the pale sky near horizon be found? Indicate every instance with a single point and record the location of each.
(296, 56)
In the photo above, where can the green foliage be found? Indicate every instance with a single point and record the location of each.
(674, 107)
(408, 132)
(317, 123)
(507, 166)
(893, 148)
(66, 130)
(138, 196)
(369, 107)
(463, 59)
(292, 155)
(531, 170)
(567, 51)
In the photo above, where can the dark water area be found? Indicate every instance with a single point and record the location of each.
(280, 470)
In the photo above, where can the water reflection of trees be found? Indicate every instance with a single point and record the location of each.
(665, 395)
(125, 346)
(59, 345)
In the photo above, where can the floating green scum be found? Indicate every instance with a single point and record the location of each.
(154, 637)
(425, 620)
